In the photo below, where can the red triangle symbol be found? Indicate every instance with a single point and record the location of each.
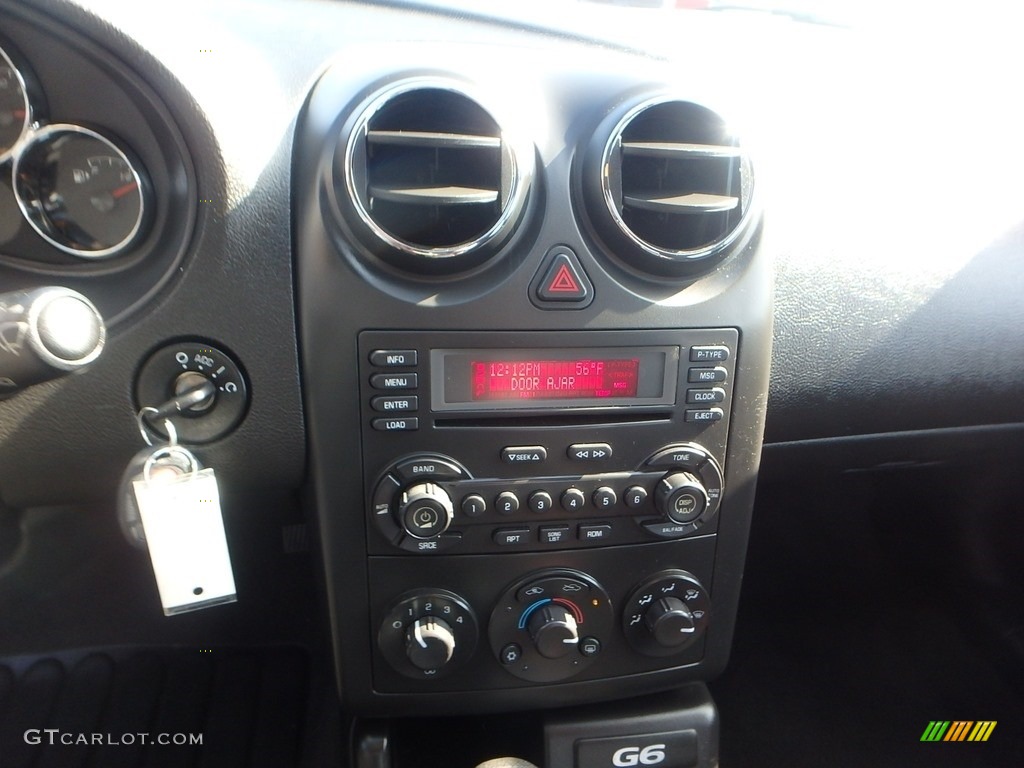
(564, 281)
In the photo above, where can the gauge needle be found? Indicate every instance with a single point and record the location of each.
(123, 190)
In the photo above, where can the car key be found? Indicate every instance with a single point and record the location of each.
(170, 504)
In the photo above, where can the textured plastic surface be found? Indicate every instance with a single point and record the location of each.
(676, 730)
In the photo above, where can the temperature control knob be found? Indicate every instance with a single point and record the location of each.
(554, 631)
(429, 643)
(425, 510)
(681, 497)
(670, 621)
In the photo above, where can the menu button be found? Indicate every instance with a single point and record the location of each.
(394, 380)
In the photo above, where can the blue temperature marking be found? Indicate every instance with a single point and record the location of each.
(526, 614)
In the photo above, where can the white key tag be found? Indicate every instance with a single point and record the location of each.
(184, 528)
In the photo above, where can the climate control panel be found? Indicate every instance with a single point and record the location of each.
(551, 625)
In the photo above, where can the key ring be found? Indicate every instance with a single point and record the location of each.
(140, 418)
(174, 453)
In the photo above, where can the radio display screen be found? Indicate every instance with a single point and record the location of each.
(567, 377)
(530, 379)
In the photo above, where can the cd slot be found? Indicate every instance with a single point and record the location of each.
(553, 420)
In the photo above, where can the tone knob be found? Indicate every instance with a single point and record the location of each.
(670, 622)
(681, 497)
(429, 643)
(554, 631)
(425, 510)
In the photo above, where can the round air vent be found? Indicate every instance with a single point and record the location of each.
(432, 184)
(670, 189)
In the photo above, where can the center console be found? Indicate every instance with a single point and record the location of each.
(535, 365)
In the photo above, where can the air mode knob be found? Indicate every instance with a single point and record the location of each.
(425, 510)
(429, 643)
(681, 497)
(554, 631)
(670, 621)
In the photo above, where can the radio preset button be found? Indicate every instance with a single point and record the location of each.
(510, 537)
(392, 404)
(573, 500)
(393, 358)
(540, 501)
(474, 505)
(707, 375)
(506, 503)
(704, 415)
(589, 451)
(407, 424)
(417, 467)
(394, 380)
(524, 454)
(713, 395)
(635, 497)
(604, 497)
(594, 532)
(709, 354)
(554, 534)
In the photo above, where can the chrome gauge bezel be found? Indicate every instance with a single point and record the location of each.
(39, 220)
(29, 119)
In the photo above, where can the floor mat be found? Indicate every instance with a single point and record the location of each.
(131, 708)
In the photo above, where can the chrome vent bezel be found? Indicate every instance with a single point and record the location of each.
(699, 136)
(510, 168)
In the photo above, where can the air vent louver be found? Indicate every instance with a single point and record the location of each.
(432, 177)
(675, 187)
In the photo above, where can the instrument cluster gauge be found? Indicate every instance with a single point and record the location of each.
(80, 191)
(15, 107)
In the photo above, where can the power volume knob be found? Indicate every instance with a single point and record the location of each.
(429, 643)
(425, 511)
(670, 622)
(681, 497)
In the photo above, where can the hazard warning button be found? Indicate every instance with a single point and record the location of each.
(561, 282)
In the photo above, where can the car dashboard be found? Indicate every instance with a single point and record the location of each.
(566, 382)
